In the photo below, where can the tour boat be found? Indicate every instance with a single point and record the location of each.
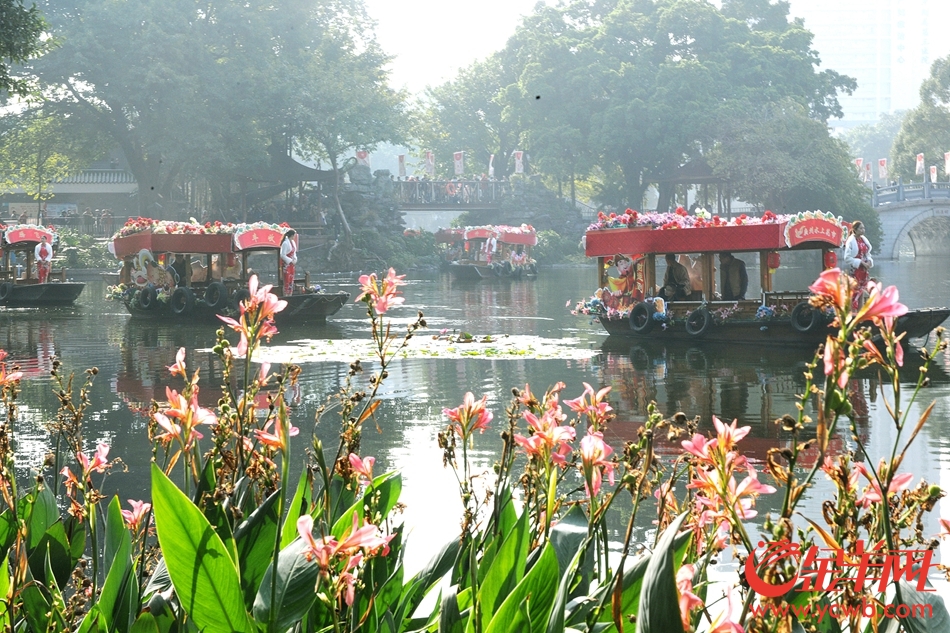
(19, 283)
(626, 304)
(216, 282)
(496, 251)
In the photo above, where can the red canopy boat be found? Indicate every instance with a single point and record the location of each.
(19, 283)
(494, 251)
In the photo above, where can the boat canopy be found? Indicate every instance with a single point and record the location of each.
(449, 236)
(24, 235)
(678, 233)
(523, 234)
(160, 236)
(479, 232)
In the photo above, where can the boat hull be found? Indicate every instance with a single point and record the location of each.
(301, 308)
(48, 294)
(474, 272)
(916, 324)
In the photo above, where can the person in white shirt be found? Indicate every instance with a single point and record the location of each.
(44, 255)
(288, 258)
(857, 257)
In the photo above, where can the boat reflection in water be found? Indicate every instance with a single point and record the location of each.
(754, 385)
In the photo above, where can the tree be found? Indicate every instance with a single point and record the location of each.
(20, 30)
(926, 128)
(780, 158)
(872, 142)
(39, 147)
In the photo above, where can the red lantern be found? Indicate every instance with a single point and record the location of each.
(830, 260)
(774, 260)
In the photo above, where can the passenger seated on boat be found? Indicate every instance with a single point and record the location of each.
(179, 269)
(675, 281)
(519, 257)
(695, 276)
(733, 276)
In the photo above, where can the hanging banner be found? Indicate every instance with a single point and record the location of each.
(933, 173)
(402, 165)
(882, 168)
(362, 157)
(491, 165)
(519, 162)
(868, 176)
(430, 164)
(857, 163)
(920, 165)
(459, 163)
(946, 163)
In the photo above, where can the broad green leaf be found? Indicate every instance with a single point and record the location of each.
(118, 600)
(7, 532)
(928, 611)
(39, 508)
(450, 617)
(385, 489)
(145, 623)
(36, 607)
(299, 505)
(76, 534)
(296, 588)
(254, 540)
(416, 589)
(528, 607)
(556, 621)
(659, 609)
(569, 533)
(507, 569)
(198, 562)
(55, 546)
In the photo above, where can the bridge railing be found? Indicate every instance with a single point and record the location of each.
(902, 192)
(461, 192)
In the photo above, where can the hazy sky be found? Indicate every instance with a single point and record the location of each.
(432, 39)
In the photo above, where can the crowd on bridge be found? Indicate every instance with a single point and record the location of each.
(423, 190)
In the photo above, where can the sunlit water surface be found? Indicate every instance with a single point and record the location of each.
(753, 384)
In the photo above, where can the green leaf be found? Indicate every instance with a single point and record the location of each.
(40, 508)
(296, 587)
(7, 532)
(254, 540)
(299, 505)
(198, 562)
(659, 608)
(920, 621)
(450, 618)
(76, 534)
(507, 569)
(55, 546)
(146, 623)
(118, 601)
(385, 490)
(36, 607)
(569, 533)
(419, 585)
(528, 607)
(556, 621)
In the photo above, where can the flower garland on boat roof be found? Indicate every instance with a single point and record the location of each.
(171, 227)
(679, 219)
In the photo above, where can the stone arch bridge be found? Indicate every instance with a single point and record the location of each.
(914, 214)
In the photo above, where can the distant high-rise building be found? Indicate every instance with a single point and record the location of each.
(886, 45)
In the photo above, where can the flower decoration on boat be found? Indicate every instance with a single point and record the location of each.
(169, 227)
(677, 220)
(769, 313)
(721, 315)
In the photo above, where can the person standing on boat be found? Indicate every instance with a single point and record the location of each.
(675, 281)
(288, 257)
(857, 255)
(44, 255)
(734, 278)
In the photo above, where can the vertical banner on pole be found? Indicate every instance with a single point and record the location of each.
(491, 166)
(882, 168)
(933, 173)
(920, 165)
(362, 157)
(857, 163)
(946, 163)
(402, 165)
(519, 162)
(868, 176)
(459, 163)
(430, 164)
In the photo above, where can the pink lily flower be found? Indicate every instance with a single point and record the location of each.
(944, 527)
(881, 302)
(836, 286)
(728, 436)
(836, 360)
(99, 461)
(275, 439)
(900, 482)
(178, 367)
(687, 599)
(135, 516)
(469, 416)
(594, 461)
(698, 446)
(362, 467)
(724, 622)
(6, 378)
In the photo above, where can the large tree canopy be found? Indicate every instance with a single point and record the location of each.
(926, 128)
(20, 29)
(634, 88)
(202, 91)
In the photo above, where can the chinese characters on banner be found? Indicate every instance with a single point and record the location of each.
(430, 164)
(519, 162)
(933, 173)
(920, 164)
(459, 163)
(491, 166)
(402, 165)
(362, 157)
(882, 168)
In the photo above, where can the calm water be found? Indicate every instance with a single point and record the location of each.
(755, 385)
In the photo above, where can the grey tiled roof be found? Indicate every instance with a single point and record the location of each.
(100, 177)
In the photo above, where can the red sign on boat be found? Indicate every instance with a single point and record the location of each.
(27, 233)
(263, 237)
(813, 229)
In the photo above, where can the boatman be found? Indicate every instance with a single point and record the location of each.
(288, 257)
(44, 255)
(734, 278)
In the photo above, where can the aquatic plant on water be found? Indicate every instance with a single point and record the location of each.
(228, 542)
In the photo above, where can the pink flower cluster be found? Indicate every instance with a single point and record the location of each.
(679, 219)
(381, 296)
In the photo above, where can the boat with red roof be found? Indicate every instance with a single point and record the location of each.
(628, 301)
(495, 251)
(159, 278)
(25, 284)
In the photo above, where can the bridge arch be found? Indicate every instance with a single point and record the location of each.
(940, 213)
